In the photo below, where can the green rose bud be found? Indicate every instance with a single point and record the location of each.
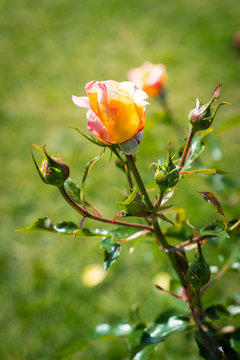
(53, 171)
(166, 175)
(199, 272)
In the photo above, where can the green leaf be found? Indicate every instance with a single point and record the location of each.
(134, 204)
(73, 190)
(155, 334)
(64, 228)
(196, 148)
(111, 253)
(216, 229)
(217, 312)
(41, 224)
(235, 340)
(203, 172)
(90, 138)
(139, 351)
(203, 351)
(143, 354)
(87, 170)
(158, 332)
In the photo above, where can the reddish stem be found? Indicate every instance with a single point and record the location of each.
(86, 214)
(186, 149)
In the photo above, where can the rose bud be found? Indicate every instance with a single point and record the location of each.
(166, 175)
(53, 171)
(201, 117)
(199, 272)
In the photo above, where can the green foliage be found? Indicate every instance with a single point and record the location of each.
(216, 229)
(203, 172)
(134, 204)
(87, 170)
(111, 253)
(144, 338)
(196, 148)
(64, 228)
(73, 190)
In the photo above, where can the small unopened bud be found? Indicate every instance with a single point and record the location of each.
(166, 175)
(200, 117)
(199, 272)
(160, 178)
(53, 171)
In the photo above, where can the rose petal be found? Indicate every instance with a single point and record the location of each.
(118, 113)
(96, 127)
(128, 88)
(82, 101)
(139, 97)
(91, 86)
(156, 75)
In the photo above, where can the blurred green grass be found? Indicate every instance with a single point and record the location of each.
(49, 51)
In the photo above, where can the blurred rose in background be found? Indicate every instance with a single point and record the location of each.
(151, 78)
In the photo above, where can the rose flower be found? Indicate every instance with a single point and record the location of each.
(150, 78)
(116, 110)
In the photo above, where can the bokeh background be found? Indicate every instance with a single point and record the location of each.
(50, 50)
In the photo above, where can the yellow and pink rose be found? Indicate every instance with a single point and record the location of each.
(116, 110)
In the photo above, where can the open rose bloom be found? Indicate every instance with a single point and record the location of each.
(116, 110)
(150, 78)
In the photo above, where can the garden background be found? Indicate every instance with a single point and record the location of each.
(50, 50)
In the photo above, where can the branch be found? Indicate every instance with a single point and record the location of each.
(86, 214)
(186, 149)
